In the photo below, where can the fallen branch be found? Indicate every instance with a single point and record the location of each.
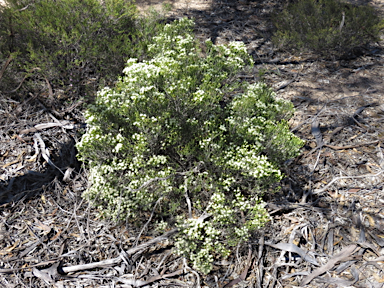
(22, 81)
(117, 260)
(100, 264)
(244, 274)
(104, 263)
(45, 152)
(159, 277)
(10, 58)
(317, 191)
(353, 146)
(65, 124)
(286, 83)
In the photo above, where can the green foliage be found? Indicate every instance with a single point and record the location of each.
(75, 45)
(318, 25)
(180, 135)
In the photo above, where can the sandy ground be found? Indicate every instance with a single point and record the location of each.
(174, 5)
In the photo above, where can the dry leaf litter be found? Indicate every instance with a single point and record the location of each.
(327, 220)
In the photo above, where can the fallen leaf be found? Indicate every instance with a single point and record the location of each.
(56, 235)
(290, 247)
(10, 163)
(370, 220)
(333, 194)
(10, 248)
(42, 226)
(344, 254)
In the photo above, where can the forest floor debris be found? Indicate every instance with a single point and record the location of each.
(327, 224)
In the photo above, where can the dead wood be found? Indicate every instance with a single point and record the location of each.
(243, 274)
(343, 255)
(330, 201)
(117, 260)
(10, 58)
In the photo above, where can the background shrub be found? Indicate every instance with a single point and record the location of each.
(180, 135)
(318, 25)
(74, 45)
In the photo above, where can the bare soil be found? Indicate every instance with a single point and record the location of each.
(327, 224)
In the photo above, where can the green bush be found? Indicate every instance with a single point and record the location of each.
(180, 135)
(75, 45)
(318, 25)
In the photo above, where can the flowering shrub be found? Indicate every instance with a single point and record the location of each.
(329, 27)
(180, 135)
(75, 45)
